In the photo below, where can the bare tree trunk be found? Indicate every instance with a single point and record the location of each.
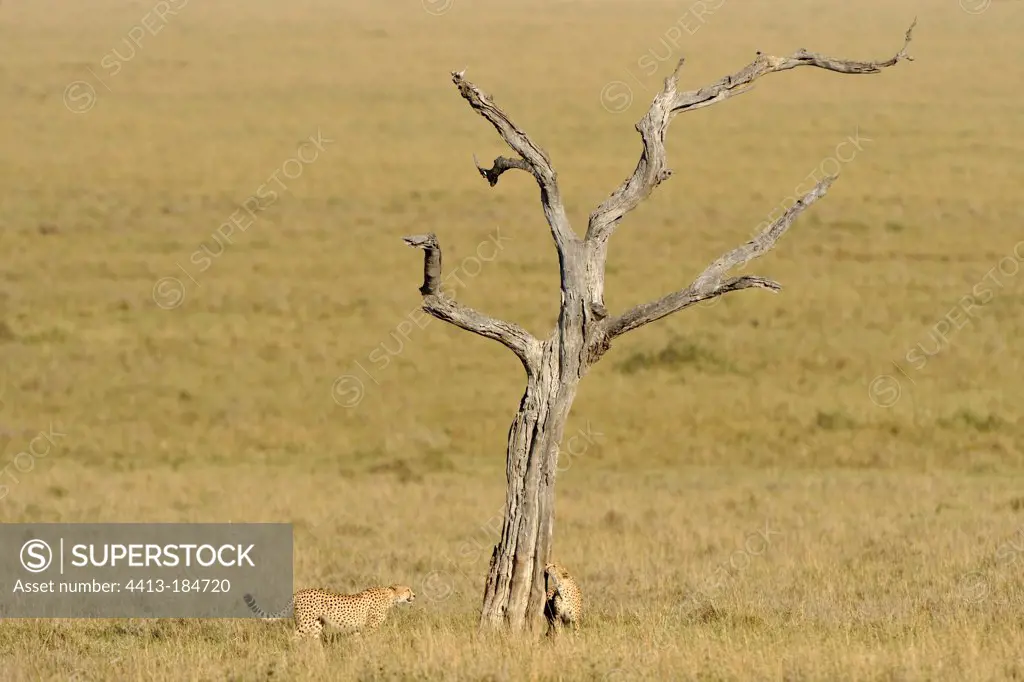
(514, 592)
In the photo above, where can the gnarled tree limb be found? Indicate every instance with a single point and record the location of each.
(501, 164)
(437, 304)
(709, 283)
(531, 158)
(652, 168)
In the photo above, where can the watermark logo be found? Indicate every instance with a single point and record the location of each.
(142, 570)
(80, 95)
(437, 7)
(617, 95)
(975, 6)
(36, 556)
(439, 584)
(885, 390)
(348, 390)
(169, 292)
(973, 587)
(437, 587)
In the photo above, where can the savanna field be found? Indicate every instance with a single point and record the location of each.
(824, 484)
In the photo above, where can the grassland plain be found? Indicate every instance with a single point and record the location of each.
(745, 498)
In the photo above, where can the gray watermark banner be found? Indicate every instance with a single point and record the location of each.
(142, 570)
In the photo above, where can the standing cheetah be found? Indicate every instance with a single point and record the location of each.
(563, 603)
(315, 607)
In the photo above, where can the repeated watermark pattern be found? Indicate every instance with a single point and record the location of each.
(169, 292)
(437, 7)
(348, 390)
(755, 544)
(576, 446)
(439, 584)
(975, 6)
(660, 639)
(845, 152)
(40, 446)
(885, 390)
(617, 95)
(975, 587)
(80, 95)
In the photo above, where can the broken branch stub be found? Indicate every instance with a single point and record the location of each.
(439, 305)
(431, 260)
(532, 158)
(501, 164)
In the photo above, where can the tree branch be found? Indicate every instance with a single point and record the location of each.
(652, 168)
(709, 283)
(531, 158)
(437, 304)
(501, 164)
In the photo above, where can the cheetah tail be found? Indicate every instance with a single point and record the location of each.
(251, 603)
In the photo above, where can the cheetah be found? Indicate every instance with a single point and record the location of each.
(563, 602)
(315, 607)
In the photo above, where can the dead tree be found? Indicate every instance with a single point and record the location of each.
(514, 589)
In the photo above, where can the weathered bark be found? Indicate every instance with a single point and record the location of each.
(514, 592)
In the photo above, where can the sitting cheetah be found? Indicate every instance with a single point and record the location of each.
(315, 607)
(563, 603)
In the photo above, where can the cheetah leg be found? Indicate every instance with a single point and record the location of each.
(553, 625)
(374, 621)
(311, 629)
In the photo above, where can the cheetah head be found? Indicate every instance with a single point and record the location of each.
(403, 593)
(555, 571)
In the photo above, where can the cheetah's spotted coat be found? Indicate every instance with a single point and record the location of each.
(563, 603)
(315, 607)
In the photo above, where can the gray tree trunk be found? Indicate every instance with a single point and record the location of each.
(514, 592)
(515, 584)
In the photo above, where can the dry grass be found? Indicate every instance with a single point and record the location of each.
(704, 427)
